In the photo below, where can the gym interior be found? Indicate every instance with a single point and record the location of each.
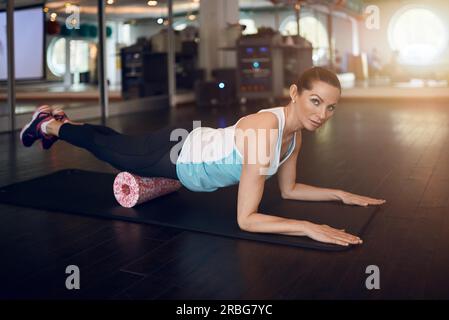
(138, 66)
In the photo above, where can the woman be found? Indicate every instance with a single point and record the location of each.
(255, 148)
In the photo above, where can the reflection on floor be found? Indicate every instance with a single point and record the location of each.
(30, 96)
(58, 91)
(383, 87)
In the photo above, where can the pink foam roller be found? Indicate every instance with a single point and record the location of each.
(130, 190)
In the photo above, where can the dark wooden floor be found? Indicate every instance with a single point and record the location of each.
(393, 150)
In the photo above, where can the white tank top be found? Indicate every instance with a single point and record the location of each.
(209, 158)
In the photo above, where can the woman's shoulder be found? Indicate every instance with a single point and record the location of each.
(259, 120)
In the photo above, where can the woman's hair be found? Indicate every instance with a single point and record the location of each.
(306, 80)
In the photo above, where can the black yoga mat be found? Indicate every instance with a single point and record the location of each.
(90, 193)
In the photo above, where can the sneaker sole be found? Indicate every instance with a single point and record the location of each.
(25, 128)
(36, 113)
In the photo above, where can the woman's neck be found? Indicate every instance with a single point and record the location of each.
(291, 120)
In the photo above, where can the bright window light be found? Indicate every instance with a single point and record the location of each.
(79, 56)
(418, 34)
(310, 28)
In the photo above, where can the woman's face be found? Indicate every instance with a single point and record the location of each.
(315, 106)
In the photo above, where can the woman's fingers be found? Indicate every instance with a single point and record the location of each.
(325, 233)
(364, 201)
(349, 239)
(339, 242)
(346, 237)
(340, 235)
(373, 201)
(329, 238)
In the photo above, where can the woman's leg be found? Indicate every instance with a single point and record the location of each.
(147, 155)
(104, 129)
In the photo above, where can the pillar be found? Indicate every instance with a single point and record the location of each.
(215, 16)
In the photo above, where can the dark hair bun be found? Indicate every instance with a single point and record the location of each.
(306, 80)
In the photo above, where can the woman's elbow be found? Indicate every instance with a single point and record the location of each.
(244, 224)
(286, 189)
(286, 194)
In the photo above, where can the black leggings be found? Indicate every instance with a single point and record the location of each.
(147, 155)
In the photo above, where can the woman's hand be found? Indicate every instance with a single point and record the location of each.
(324, 233)
(354, 199)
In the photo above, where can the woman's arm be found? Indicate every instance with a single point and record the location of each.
(251, 186)
(249, 219)
(250, 193)
(299, 191)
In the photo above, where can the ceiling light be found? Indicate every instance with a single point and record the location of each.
(152, 3)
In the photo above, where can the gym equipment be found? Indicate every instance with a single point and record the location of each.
(131, 190)
(218, 92)
(144, 73)
(213, 93)
(266, 65)
(144, 69)
(212, 212)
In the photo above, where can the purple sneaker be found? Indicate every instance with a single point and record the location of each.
(47, 141)
(32, 130)
(58, 115)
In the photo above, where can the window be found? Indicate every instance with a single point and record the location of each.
(310, 28)
(56, 56)
(417, 34)
(79, 56)
(124, 33)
